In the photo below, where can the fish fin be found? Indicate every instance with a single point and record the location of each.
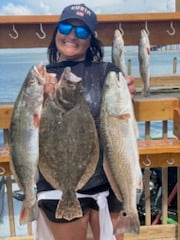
(36, 176)
(139, 185)
(135, 127)
(125, 116)
(28, 214)
(111, 178)
(148, 51)
(138, 195)
(36, 120)
(127, 223)
(145, 92)
(68, 209)
(120, 52)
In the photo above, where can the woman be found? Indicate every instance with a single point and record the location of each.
(74, 44)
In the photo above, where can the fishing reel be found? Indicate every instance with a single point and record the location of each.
(155, 187)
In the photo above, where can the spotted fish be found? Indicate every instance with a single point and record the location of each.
(144, 62)
(68, 143)
(118, 52)
(24, 139)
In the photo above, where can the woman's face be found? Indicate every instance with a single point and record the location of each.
(71, 47)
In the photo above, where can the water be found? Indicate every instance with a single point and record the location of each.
(14, 65)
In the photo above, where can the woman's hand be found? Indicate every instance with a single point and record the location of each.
(51, 83)
(130, 81)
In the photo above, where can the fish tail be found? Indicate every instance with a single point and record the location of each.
(68, 209)
(145, 92)
(127, 224)
(28, 213)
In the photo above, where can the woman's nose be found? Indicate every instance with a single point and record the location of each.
(72, 34)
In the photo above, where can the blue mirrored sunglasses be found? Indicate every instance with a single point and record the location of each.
(81, 32)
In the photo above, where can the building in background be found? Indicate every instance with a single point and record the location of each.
(177, 5)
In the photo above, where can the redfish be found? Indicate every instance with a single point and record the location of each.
(119, 132)
(24, 139)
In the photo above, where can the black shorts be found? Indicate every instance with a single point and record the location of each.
(49, 206)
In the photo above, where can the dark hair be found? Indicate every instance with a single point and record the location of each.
(94, 53)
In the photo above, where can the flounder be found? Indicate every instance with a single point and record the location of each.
(68, 143)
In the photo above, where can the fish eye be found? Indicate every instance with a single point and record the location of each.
(32, 81)
(124, 214)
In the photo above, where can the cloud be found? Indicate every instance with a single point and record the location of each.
(162, 6)
(142, 6)
(11, 9)
(46, 7)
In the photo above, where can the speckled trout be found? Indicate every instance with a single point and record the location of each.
(118, 55)
(24, 139)
(121, 163)
(68, 143)
(144, 62)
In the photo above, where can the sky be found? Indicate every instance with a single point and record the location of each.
(53, 7)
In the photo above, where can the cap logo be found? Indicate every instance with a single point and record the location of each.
(81, 11)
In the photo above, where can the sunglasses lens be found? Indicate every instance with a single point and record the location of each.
(82, 32)
(65, 28)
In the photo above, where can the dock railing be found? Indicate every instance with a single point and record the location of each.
(162, 153)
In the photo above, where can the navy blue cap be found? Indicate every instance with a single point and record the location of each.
(82, 13)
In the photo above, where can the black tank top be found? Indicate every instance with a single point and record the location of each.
(93, 76)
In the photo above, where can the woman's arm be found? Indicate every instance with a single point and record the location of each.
(130, 81)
